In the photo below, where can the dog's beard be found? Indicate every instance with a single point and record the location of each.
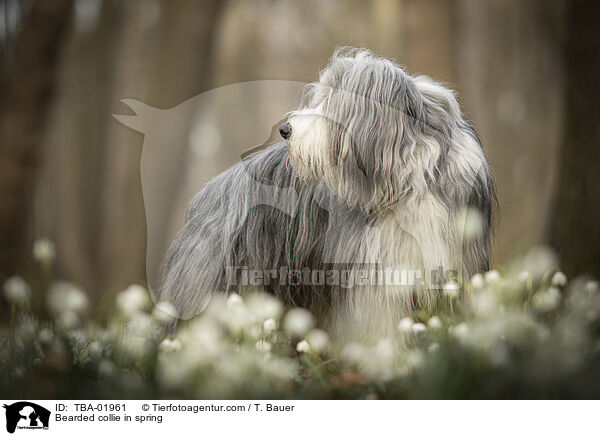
(308, 146)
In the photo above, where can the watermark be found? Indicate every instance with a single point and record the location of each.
(344, 277)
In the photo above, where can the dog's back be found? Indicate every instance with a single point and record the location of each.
(256, 224)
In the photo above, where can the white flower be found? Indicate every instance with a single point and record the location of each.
(233, 314)
(106, 368)
(485, 304)
(269, 325)
(384, 350)
(354, 353)
(203, 341)
(538, 261)
(169, 345)
(451, 290)
(469, 223)
(492, 276)
(460, 331)
(46, 336)
(43, 250)
(434, 323)
(418, 327)
(298, 321)
(234, 299)
(263, 306)
(478, 281)
(405, 325)
(132, 299)
(94, 350)
(164, 311)
(78, 338)
(318, 340)
(415, 359)
(66, 297)
(141, 325)
(591, 287)
(263, 346)
(559, 279)
(524, 276)
(547, 300)
(76, 300)
(302, 347)
(17, 291)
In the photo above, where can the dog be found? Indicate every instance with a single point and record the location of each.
(375, 174)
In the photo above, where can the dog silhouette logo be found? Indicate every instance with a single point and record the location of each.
(26, 415)
(187, 145)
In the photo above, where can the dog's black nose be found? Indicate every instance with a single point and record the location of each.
(285, 130)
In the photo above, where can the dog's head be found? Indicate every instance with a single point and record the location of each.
(376, 135)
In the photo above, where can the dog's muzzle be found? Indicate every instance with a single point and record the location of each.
(285, 130)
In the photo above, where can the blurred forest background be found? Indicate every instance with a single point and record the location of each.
(526, 73)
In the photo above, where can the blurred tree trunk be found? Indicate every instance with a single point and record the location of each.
(71, 179)
(509, 69)
(89, 199)
(120, 238)
(28, 84)
(575, 221)
(180, 69)
(429, 37)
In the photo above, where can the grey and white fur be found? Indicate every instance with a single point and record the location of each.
(374, 171)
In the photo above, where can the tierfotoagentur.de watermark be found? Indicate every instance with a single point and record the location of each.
(344, 277)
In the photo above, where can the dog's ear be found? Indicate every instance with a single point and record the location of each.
(438, 100)
(464, 175)
(376, 125)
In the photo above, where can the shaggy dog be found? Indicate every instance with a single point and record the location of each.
(378, 195)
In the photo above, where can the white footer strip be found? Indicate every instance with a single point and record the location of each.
(251, 417)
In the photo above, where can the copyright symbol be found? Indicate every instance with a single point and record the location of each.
(145, 407)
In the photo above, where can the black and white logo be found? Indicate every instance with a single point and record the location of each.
(26, 415)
